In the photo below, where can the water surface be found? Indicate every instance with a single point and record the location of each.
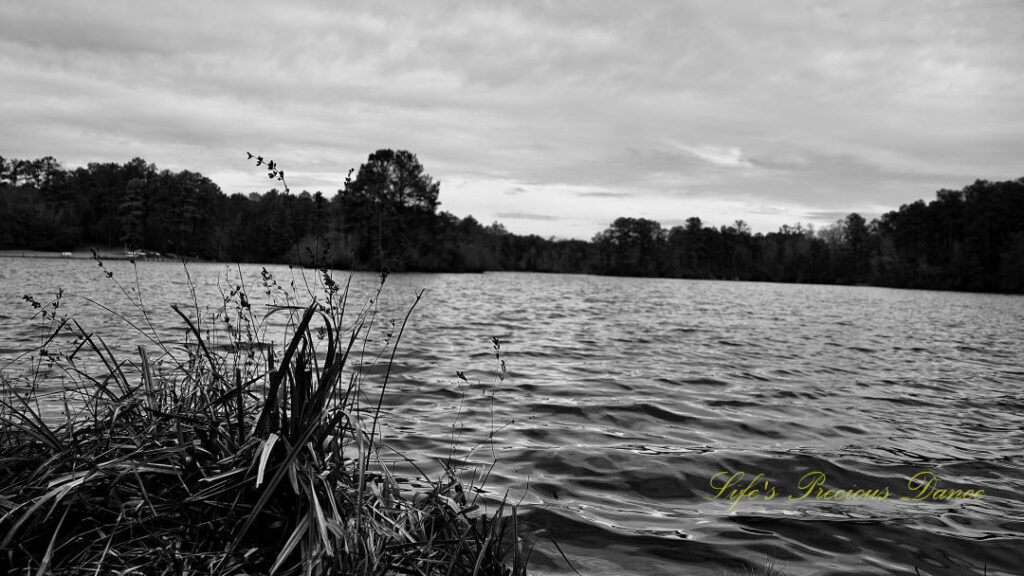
(623, 398)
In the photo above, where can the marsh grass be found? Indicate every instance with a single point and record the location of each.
(238, 459)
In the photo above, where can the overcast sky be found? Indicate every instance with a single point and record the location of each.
(551, 117)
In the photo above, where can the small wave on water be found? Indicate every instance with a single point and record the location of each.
(681, 427)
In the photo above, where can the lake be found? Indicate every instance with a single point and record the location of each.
(668, 426)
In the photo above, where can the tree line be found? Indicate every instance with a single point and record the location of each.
(386, 217)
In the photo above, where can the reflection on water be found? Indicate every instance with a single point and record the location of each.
(625, 397)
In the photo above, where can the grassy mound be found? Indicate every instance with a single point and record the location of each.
(223, 465)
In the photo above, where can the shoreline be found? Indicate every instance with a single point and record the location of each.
(104, 254)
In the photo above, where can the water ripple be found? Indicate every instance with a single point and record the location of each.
(625, 400)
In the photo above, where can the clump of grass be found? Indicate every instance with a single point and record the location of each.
(216, 464)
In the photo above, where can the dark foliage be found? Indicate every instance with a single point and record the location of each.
(386, 218)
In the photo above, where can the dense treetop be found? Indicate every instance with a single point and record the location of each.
(387, 217)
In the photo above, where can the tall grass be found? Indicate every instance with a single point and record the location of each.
(197, 460)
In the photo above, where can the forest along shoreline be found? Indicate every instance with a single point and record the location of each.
(387, 218)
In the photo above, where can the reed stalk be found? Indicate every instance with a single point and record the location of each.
(215, 464)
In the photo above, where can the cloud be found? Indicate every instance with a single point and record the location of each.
(718, 156)
(602, 194)
(528, 216)
(669, 107)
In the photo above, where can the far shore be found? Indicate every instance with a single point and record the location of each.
(86, 254)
